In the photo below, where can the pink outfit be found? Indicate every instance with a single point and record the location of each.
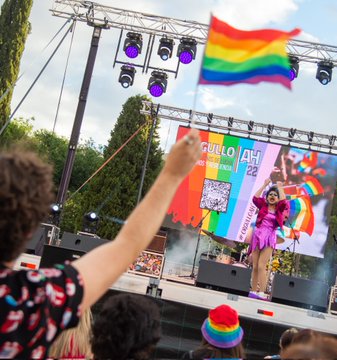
(267, 223)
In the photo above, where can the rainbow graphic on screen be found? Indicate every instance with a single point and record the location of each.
(220, 188)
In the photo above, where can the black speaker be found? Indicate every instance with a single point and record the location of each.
(58, 255)
(39, 238)
(305, 293)
(222, 277)
(81, 242)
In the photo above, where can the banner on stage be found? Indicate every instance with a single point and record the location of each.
(230, 172)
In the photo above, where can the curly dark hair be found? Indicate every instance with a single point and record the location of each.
(127, 327)
(25, 198)
(274, 189)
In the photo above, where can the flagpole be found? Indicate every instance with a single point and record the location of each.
(197, 84)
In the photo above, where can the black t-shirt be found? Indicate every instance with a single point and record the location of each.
(35, 306)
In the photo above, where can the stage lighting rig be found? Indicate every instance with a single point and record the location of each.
(187, 50)
(90, 222)
(127, 76)
(157, 83)
(54, 214)
(324, 72)
(291, 133)
(133, 44)
(165, 48)
(294, 67)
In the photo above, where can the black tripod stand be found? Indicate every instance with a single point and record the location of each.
(199, 226)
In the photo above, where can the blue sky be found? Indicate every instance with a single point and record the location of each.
(309, 106)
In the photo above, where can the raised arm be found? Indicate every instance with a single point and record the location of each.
(279, 185)
(260, 190)
(101, 267)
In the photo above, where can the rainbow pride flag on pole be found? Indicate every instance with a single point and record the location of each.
(301, 215)
(235, 56)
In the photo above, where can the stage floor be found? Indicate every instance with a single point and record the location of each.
(246, 307)
(186, 292)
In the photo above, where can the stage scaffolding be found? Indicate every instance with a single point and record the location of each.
(244, 128)
(107, 16)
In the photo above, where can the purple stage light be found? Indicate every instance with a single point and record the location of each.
(133, 45)
(156, 90)
(131, 52)
(185, 57)
(292, 74)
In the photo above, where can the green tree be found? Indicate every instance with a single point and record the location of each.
(14, 28)
(53, 148)
(113, 192)
(19, 131)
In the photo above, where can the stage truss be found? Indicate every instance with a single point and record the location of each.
(100, 15)
(243, 128)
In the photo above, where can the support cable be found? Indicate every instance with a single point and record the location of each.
(64, 76)
(107, 161)
(35, 80)
(33, 61)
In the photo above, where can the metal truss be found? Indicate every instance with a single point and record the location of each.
(243, 128)
(96, 14)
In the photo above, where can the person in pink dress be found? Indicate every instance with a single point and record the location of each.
(271, 215)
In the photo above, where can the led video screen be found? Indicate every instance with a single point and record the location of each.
(221, 187)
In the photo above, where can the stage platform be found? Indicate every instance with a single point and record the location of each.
(249, 308)
(183, 290)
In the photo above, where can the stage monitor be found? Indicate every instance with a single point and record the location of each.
(81, 242)
(58, 255)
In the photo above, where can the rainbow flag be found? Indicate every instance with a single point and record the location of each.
(301, 215)
(312, 186)
(236, 56)
(309, 161)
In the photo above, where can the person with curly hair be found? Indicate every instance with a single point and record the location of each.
(127, 327)
(36, 305)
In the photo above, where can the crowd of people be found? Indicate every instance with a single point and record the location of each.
(46, 312)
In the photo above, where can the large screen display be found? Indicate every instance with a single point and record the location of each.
(220, 189)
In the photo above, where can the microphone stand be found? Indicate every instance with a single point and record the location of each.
(199, 226)
(294, 245)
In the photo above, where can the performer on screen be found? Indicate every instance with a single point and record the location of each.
(272, 210)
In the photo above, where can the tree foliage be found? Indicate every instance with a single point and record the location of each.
(14, 28)
(113, 192)
(53, 149)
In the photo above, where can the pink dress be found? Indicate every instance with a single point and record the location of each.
(265, 234)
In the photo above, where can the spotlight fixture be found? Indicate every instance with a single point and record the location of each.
(133, 44)
(187, 50)
(127, 76)
(54, 214)
(294, 67)
(332, 140)
(250, 126)
(157, 83)
(209, 118)
(310, 136)
(324, 72)
(90, 222)
(55, 209)
(91, 216)
(165, 48)
(291, 133)
(270, 129)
